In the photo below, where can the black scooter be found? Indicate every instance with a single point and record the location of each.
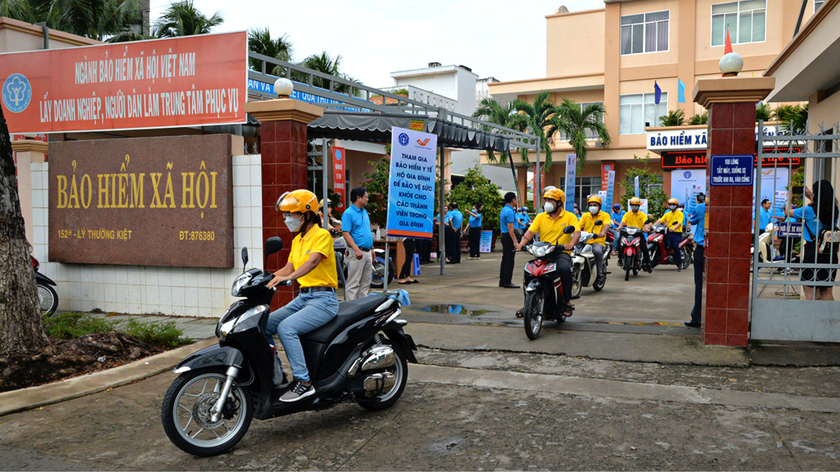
(361, 355)
(543, 287)
(47, 296)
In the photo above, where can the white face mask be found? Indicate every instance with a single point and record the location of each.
(293, 223)
(634, 207)
(549, 207)
(594, 209)
(673, 207)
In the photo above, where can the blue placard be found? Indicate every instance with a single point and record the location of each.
(411, 184)
(732, 170)
(486, 242)
(789, 229)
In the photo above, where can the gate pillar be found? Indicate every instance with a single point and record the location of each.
(731, 103)
(283, 142)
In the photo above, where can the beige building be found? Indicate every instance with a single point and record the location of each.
(615, 54)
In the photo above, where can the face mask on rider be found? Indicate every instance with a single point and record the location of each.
(549, 207)
(634, 207)
(293, 223)
(672, 207)
(594, 209)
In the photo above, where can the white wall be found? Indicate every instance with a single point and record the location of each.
(181, 291)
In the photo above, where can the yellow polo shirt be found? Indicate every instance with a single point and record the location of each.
(317, 239)
(669, 219)
(636, 220)
(551, 230)
(587, 223)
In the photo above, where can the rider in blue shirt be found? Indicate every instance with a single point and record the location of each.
(616, 216)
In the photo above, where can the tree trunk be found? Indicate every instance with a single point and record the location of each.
(20, 315)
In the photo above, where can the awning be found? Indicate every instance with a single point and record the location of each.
(377, 128)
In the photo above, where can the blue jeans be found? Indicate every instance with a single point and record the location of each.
(305, 313)
(615, 234)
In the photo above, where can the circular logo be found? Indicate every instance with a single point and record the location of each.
(687, 174)
(338, 155)
(17, 93)
(607, 168)
(403, 139)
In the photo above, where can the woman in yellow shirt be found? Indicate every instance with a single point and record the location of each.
(312, 264)
(673, 220)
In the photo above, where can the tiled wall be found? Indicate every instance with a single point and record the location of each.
(181, 291)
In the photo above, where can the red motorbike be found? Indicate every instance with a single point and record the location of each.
(661, 252)
(629, 252)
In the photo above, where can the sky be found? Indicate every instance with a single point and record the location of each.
(503, 39)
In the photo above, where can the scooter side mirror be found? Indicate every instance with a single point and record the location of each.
(648, 221)
(569, 230)
(599, 223)
(273, 245)
(244, 257)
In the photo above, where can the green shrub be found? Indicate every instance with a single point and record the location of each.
(73, 325)
(162, 333)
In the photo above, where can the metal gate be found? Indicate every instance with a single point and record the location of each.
(784, 276)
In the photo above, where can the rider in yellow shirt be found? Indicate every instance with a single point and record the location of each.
(587, 223)
(673, 220)
(550, 225)
(637, 219)
(312, 264)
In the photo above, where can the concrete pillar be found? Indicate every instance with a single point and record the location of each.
(283, 142)
(731, 103)
(28, 151)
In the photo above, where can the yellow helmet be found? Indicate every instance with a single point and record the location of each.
(673, 201)
(298, 201)
(635, 201)
(594, 199)
(555, 194)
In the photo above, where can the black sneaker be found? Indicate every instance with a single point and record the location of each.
(298, 391)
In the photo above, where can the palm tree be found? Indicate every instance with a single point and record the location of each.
(184, 19)
(326, 64)
(504, 115)
(538, 116)
(792, 118)
(95, 19)
(578, 124)
(259, 41)
(699, 119)
(762, 112)
(673, 118)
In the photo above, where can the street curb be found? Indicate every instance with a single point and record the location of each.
(34, 397)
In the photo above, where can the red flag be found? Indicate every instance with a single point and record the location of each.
(728, 47)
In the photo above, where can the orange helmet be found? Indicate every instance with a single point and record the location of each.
(555, 194)
(673, 201)
(594, 199)
(635, 201)
(298, 201)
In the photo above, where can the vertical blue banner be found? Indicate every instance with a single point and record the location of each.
(411, 183)
(610, 188)
(571, 173)
(636, 184)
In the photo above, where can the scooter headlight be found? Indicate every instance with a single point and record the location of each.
(541, 251)
(239, 283)
(250, 318)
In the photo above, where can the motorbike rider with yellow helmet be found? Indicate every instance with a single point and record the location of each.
(673, 220)
(550, 225)
(312, 264)
(587, 223)
(637, 219)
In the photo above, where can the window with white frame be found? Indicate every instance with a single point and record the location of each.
(640, 110)
(818, 4)
(746, 21)
(645, 32)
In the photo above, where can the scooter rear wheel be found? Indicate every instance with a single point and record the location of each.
(185, 413)
(533, 316)
(400, 371)
(48, 299)
(686, 257)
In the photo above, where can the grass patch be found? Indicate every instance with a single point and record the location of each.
(73, 325)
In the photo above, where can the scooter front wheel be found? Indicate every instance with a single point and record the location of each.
(48, 299)
(186, 415)
(533, 315)
(627, 274)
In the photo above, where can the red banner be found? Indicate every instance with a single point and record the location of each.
(606, 167)
(188, 81)
(339, 156)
